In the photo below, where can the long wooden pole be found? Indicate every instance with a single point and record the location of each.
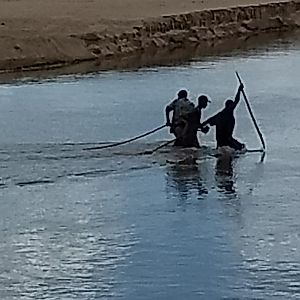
(251, 114)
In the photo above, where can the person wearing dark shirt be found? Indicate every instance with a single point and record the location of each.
(225, 123)
(193, 122)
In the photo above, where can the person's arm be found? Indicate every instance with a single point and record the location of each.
(210, 121)
(169, 108)
(203, 126)
(204, 123)
(238, 96)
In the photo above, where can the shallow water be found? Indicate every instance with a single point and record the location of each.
(82, 224)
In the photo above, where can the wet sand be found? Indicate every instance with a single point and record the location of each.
(37, 35)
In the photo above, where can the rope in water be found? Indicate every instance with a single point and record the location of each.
(127, 141)
(159, 147)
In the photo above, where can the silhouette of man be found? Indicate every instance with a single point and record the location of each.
(194, 120)
(181, 108)
(225, 123)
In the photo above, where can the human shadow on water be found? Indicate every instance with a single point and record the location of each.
(234, 185)
(226, 186)
(224, 174)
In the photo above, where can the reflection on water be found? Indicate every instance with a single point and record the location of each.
(225, 177)
(178, 224)
(183, 181)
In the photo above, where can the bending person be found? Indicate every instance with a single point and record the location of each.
(181, 108)
(225, 123)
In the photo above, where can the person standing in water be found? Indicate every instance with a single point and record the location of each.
(194, 121)
(225, 123)
(186, 119)
(181, 108)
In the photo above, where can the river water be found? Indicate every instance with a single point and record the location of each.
(113, 223)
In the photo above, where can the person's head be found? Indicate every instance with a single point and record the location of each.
(228, 104)
(202, 101)
(182, 94)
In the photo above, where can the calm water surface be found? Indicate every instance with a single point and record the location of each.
(78, 224)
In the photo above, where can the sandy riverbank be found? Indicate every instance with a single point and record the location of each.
(38, 34)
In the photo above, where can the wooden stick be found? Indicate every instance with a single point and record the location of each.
(252, 115)
(255, 150)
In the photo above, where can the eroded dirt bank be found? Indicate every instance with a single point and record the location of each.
(31, 43)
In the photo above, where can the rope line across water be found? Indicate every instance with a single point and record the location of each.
(126, 141)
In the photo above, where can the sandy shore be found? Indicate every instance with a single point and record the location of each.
(39, 34)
